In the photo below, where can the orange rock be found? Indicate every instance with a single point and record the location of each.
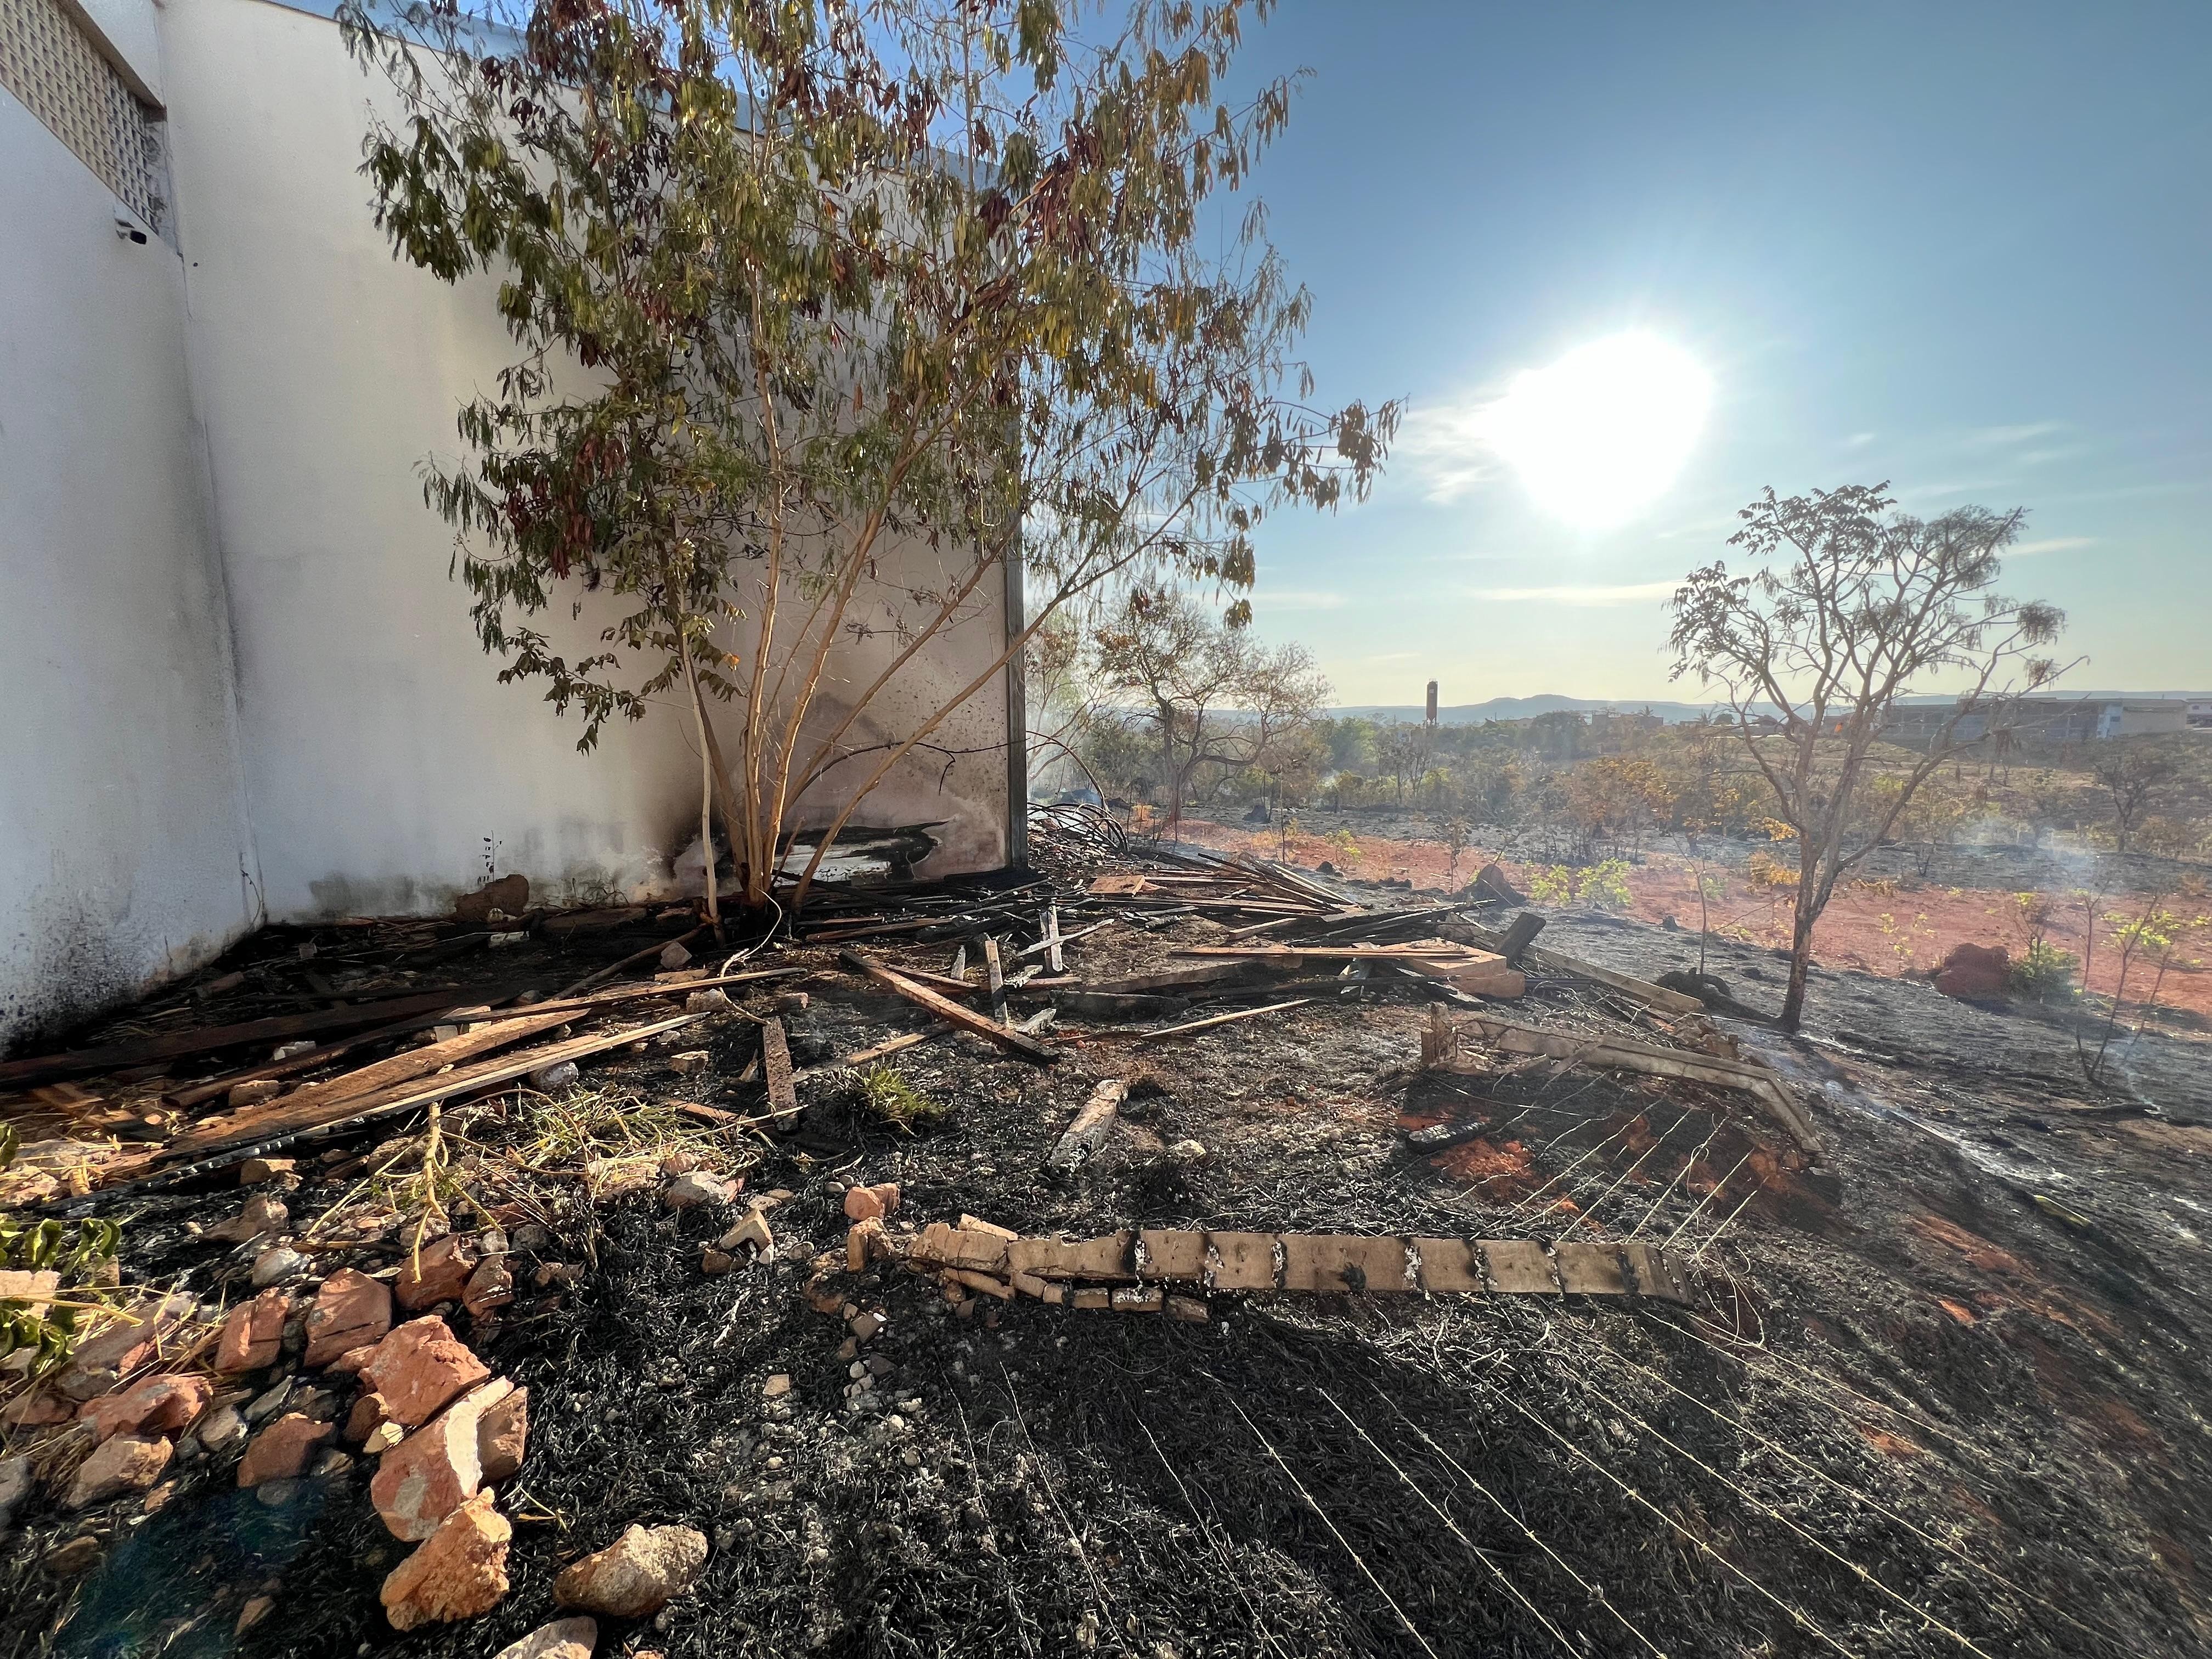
(366, 1417)
(253, 1334)
(861, 1204)
(860, 1238)
(634, 1577)
(157, 1404)
(281, 1450)
(502, 1435)
(440, 1275)
(351, 1310)
(436, 1469)
(419, 1368)
(461, 1571)
(101, 1360)
(427, 1476)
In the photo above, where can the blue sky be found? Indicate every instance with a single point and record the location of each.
(1966, 247)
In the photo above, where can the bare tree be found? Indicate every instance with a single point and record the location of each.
(1214, 696)
(1852, 608)
(2135, 774)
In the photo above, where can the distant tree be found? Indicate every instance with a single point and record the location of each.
(1852, 607)
(1620, 796)
(1398, 747)
(2136, 773)
(1349, 741)
(1457, 835)
(1214, 696)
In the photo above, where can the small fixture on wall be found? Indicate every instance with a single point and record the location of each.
(126, 230)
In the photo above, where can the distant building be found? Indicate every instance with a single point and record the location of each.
(2052, 721)
(1612, 726)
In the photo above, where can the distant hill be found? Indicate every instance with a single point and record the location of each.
(1524, 709)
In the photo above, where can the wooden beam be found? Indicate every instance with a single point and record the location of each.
(1092, 1125)
(404, 1096)
(947, 1010)
(995, 979)
(776, 1064)
(1623, 1053)
(80, 1062)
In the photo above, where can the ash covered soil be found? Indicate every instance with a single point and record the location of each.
(1949, 1395)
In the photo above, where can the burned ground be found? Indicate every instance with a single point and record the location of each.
(1943, 1393)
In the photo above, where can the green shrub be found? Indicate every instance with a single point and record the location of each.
(2045, 973)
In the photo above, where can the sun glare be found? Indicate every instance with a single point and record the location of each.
(1600, 434)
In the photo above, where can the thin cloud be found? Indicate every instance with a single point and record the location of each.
(2004, 437)
(2051, 544)
(1296, 600)
(1444, 449)
(1594, 594)
(1858, 440)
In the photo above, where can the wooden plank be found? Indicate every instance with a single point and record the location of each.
(891, 1045)
(994, 979)
(1520, 933)
(1170, 979)
(1337, 1262)
(1165, 1253)
(1623, 1053)
(614, 968)
(1093, 1124)
(1590, 1269)
(1450, 1265)
(1292, 954)
(399, 1068)
(1240, 1261)
(1655, 996)
(1052, 960)
(1263, 928)
(175, 1045)
(1518, 1266)
(1654, 1272)
(775, 1063)
(405, 1096)
(1051, 946)
(951, 1012)
(1186, 1029)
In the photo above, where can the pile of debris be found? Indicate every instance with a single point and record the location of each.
(527, 1116)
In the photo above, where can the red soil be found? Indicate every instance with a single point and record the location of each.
(1883, 927)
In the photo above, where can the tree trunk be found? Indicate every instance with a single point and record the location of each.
(1801, 955)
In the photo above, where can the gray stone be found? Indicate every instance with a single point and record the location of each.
(275, 1264)
(15, 1487)
(268, 1405)
(699, 1187)
(220, 1429)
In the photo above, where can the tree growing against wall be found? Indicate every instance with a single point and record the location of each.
(796, 290)
(1216, 698)
(1849, 608)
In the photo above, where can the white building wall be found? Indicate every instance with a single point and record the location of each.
(382, 754)
(125, 853)
(237, 670)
